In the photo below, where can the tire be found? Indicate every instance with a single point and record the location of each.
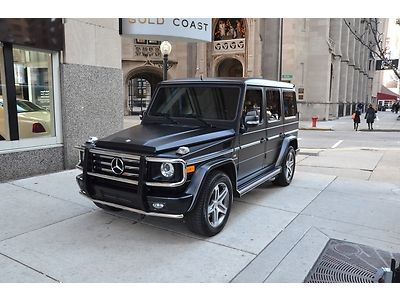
(213, 206)
(106, 207)
(288, 166)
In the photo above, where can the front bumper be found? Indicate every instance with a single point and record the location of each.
(121, 197)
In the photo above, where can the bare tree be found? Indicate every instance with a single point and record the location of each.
(374, 40)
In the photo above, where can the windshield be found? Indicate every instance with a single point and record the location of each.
(205, 102)
(25, 106)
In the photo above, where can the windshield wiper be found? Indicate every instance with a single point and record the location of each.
(193, 116)
(165, 115)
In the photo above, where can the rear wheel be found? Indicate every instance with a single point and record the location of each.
(106, 207)
(213, 205)
(288, 166)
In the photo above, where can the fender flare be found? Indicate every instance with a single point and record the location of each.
(197, 181)
(285, 145)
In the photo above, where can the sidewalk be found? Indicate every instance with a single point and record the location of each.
(385, 121)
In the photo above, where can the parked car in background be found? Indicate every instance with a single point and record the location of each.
(33, 120)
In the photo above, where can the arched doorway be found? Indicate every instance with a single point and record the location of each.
(141, 84)
(230, 67)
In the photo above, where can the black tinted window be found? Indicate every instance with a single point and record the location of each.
(273, 108)
(289, 104)
(210, 102)
(252, 105)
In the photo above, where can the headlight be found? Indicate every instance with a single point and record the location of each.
(167, 169)
(165, 172)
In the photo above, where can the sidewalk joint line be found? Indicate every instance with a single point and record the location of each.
(29, 267)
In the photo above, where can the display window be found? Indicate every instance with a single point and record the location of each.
(28, 115)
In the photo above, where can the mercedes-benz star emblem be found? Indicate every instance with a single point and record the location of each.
(117, 166)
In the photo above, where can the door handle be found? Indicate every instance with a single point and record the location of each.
(262, 140)
(281, 135)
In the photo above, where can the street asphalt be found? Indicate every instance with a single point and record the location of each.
(51, 233)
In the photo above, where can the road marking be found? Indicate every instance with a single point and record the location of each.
(337, 144)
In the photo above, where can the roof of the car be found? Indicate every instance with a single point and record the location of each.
(232, 80)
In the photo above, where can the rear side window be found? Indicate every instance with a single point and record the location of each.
(289, 103)
(273, 107)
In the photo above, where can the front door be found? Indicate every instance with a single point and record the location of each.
(252, 140)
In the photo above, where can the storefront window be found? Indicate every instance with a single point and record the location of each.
(34, 93)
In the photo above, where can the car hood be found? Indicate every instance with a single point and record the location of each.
(36, 116)
(156, 138)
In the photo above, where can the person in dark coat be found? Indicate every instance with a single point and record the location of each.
(370, 116)
(356, 118)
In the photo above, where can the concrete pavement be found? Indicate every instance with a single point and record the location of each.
(50, 233)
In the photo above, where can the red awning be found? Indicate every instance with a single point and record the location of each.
(383, 96)
(386, 94)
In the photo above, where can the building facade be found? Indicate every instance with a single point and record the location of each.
(64, 80)
(331, 69)
(60, 82)
(241, 47)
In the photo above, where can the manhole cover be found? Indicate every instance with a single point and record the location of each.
(343, 261)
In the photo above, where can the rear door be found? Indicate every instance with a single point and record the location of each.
(275, 130)
(252, 141)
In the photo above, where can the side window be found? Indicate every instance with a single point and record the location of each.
(252, 105)
(273, 107)
(289, 103)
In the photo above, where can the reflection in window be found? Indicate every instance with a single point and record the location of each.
(139, 95)
(273, 105)
(34, 91)
(3, 113)
(289, 104)
(252, 105)
(213, 103)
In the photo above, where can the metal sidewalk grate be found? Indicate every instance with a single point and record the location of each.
(345, 262)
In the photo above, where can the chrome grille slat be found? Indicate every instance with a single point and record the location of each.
(101, 166)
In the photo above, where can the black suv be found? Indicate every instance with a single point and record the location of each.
(200, 143)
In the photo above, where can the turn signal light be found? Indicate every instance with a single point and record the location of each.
(190, 169)
(38, 128)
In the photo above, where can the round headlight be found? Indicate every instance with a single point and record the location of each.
(167, 169)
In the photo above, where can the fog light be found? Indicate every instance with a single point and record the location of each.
(158, 205)
(167, 169)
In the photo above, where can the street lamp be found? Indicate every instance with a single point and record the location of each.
(165, 49)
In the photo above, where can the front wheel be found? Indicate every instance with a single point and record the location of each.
(213, 205)
(288, 165)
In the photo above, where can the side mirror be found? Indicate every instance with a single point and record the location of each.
(142, 115)
(251, 119)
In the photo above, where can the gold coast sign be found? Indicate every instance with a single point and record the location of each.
(168, 28)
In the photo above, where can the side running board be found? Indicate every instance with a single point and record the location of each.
(258, 181)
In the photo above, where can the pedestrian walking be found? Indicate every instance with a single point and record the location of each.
(356, 118)
(370, 116)
(397, 107)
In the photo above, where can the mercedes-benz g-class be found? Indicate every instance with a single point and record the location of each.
(200, 143)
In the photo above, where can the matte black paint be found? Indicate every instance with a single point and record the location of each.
(221, 147)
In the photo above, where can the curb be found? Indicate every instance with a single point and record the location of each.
(316, 128)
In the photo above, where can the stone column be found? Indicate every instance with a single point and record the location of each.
(350, 71)
(335, 35)
(344, 65)
(270, 49)
(91, 82)
(357, 58)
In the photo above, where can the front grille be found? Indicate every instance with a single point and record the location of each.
(101, 166)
